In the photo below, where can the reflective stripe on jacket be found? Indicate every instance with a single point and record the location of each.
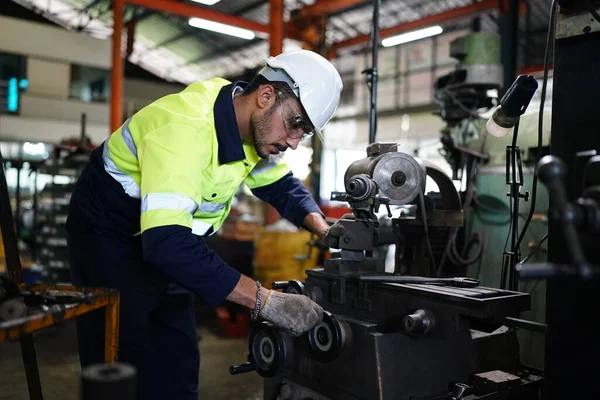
(167, 155)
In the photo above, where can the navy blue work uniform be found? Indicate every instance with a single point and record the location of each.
(157, 327)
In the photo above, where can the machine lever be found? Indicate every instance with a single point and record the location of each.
(242, 368)
(280, 285)
(457, 282)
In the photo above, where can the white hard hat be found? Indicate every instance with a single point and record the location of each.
(313, 78)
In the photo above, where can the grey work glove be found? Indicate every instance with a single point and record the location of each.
(294, 312)
(335, 231)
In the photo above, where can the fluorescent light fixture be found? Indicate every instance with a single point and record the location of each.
(221, 28)
(207, 2)
(411, 36)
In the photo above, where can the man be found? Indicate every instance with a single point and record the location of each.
(164, 180)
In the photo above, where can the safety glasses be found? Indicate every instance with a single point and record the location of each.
(295, 124)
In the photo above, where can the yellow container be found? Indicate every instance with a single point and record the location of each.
(282, 256)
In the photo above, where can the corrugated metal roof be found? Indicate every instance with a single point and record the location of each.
(167, 46)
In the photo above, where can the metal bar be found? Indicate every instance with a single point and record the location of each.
(66, 288)
(32, 372)
(509, 30)
(34, 248)
(527, 325)
(188, 10)
(476, 23)
(527, 35)
(276, 27)
(374, 72)
(18, 166)
(116, 102)
(423, 22)
(325, 7)
(82, 134)
(111, 334)
(9, 237)
(130, 38)
(24, 326)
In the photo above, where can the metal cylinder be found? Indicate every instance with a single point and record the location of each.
(400, 176)
(108, 382)
(419, 323)
(360, 187)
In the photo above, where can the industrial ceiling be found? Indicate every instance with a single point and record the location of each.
(166, 45)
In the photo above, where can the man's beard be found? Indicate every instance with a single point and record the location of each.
(262, 128)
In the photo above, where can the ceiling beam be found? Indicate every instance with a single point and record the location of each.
(139, 17)
(424, 22)
(188, 10)
(325, 7)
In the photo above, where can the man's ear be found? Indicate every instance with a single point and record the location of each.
(266, 96)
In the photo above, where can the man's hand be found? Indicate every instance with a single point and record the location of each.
(333, 234)
(294, 312)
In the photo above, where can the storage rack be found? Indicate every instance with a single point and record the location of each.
(51, 210)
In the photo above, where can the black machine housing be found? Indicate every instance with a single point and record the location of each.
(403, 341)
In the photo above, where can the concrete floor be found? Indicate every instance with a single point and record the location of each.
(59, 367)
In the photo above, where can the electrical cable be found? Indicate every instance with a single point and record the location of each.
(504, 266)
(451, 252)
(535, 249)
(540, 124)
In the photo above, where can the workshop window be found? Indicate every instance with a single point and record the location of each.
(89, 84)
(13, 81)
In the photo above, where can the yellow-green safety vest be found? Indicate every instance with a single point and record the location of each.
(166, 155)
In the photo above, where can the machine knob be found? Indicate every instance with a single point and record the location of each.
(270, 349)
(420, 322)
(242, 368)
(327, 339)
(551, 168)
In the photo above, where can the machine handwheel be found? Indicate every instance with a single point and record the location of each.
(327, 339)
(270, 349)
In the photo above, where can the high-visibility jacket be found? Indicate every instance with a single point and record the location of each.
(170, 172)
(185, 179)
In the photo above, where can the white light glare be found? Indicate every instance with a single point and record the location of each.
(411, 36)
(35, 149)
(207, 2)
(221, 28)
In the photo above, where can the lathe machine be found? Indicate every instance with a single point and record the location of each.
(393, 335)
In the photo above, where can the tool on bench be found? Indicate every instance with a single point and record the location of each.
(457, 281)
(14, 301)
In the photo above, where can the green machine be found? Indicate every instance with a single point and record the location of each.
(466, 99)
